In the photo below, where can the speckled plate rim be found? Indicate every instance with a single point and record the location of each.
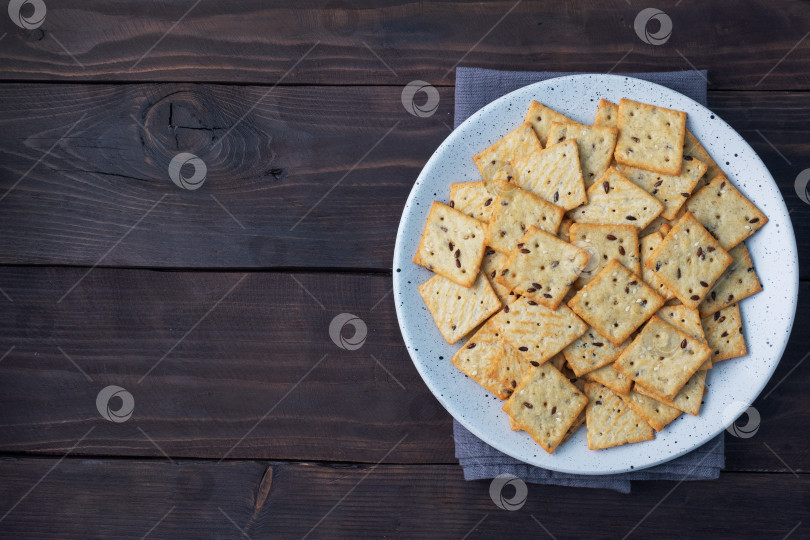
(734, 384)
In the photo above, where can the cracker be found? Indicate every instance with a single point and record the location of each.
(724, 333)
(538, 331)
(737, 282)
(614, 199)
(607, 114)
(604, 243)
(558, 361)
(611, 422)
(607, 376)
(542, 267)
(563, 231)
(725, 212)
(580, 420)
(495, 163)
(452, 244)
(580, 384)
(662, 358)
(578, 423)
(650, 137)
(456, 309)
(516, 210)
(507, 370)
(541, 117)
(688, 399)
(492, 363)
(688, 261)
(477, 361)
(491, 266)
(685, 319)
(693, 148)
(654, 412)
(591, 351)
(472, 198)
(647, 246)
(671, 190)
(553, 174)
(545, 404)
(616, 302)
(594, 143)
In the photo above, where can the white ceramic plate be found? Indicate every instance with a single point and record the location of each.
(733, 385)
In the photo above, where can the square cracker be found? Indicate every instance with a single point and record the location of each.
(456, 309)
(495, 163)
(693, 148)
(491, 266)
(491, 362)
(541, 117)
(737, 282)
(609, 377)
(607, 114)
(724, 333)
(654, 412)
(725, 212)
(591, 351)
(611, 422)
(616, 302)
(553, 174)
(580, 384)
(647, 246)
(515, 211)
(671, 189)
(688, 399)
(472, 198)
(538, 331)
(594, 143)
(686, 320)
(545, 404)
(542, 267)
(452, 244)
(662, 358)
(688, 261)
(477, 357)
(603, 243)
(650, 137)
(614, 199)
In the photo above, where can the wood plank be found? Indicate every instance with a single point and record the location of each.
(298, 154)
(128, 498)
(394, 42)
(251, 369)
(301, 163)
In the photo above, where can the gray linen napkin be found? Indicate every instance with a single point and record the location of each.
(475, 88)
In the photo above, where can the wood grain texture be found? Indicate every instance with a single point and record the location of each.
(302, 180)
(393, 42)
(250, 368)
(295, 110)
(189, 499)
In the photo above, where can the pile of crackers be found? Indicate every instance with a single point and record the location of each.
(597, 270)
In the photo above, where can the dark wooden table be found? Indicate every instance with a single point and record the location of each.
(211, 307)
